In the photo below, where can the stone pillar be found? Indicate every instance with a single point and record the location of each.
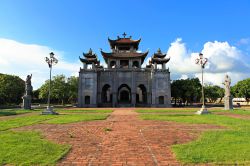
(28, 91)
(149, 98)
(114, 100)
(84, 65)
(118, 63)
(27, 102)
(155, 65)
(130, 63)
(99, 98)
(133, 99)
(228, 103)
(164, 66)
(80, 92)
(139, 63)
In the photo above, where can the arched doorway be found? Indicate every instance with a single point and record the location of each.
(124, 94)
(106, 94)
(141, 94)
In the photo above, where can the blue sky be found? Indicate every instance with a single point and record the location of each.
(74, 26)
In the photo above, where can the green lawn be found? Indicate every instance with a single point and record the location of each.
(71, 118)
(29, 148)
(83, 111)
(230, 146)
(239, 111)
(219, 147)
(23, 121)
(193, 110)
(9, 112)
(52, 119)
(163, 111)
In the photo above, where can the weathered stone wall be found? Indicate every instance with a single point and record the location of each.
(156, 83)
(87, 87)
(161, 88)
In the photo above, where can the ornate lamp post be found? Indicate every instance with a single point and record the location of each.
(202, 62)
(51, 61)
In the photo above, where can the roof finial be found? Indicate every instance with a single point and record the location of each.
(159, 50)
(90, 51)
(124, 35)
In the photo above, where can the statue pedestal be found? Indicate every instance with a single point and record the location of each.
(202, 111)
(49, 111)
(26, 102)
(228, 103)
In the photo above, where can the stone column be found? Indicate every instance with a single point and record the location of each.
(155, 65)
(149, 98)
(80, 92)
(164, 66)
(228, 103)
(84, 65)
(133, 99)
(27, 102)
(118, 64)
(99, 98)
(114, 100)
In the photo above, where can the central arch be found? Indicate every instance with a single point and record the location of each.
(124, 94)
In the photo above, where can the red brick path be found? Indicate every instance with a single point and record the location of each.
(123, 139)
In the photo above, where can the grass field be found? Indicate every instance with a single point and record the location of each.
(231, 146)
(83, 111)
(29, 148)
(9, 112)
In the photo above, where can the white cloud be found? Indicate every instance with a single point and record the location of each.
(244, 41)
(184, 77)
(222, 59)
(22, 59)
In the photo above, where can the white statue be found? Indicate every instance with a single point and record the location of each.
(227, 84)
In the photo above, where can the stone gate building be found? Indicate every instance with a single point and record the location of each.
(124, 82)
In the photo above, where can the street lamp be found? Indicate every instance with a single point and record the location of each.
(51, 61)
(202, 62)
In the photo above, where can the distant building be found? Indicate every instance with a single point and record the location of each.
(124, 83)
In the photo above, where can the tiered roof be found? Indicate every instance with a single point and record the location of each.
(124, 41)
(159, 57)
(90, 58)
(124, 54)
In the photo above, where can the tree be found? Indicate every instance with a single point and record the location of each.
(242, 89)
(73, 89)
(59, 91)
(186, 91)
(213, 92)
(11, 89)
(62, 89)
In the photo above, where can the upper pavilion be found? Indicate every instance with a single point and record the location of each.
(124, 53)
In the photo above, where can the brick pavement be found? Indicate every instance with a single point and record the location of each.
(122, 139)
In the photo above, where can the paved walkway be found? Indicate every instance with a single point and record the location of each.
(122, 139)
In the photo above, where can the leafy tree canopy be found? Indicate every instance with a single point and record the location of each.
(242, 89)
(62, 89)
(11, 89)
